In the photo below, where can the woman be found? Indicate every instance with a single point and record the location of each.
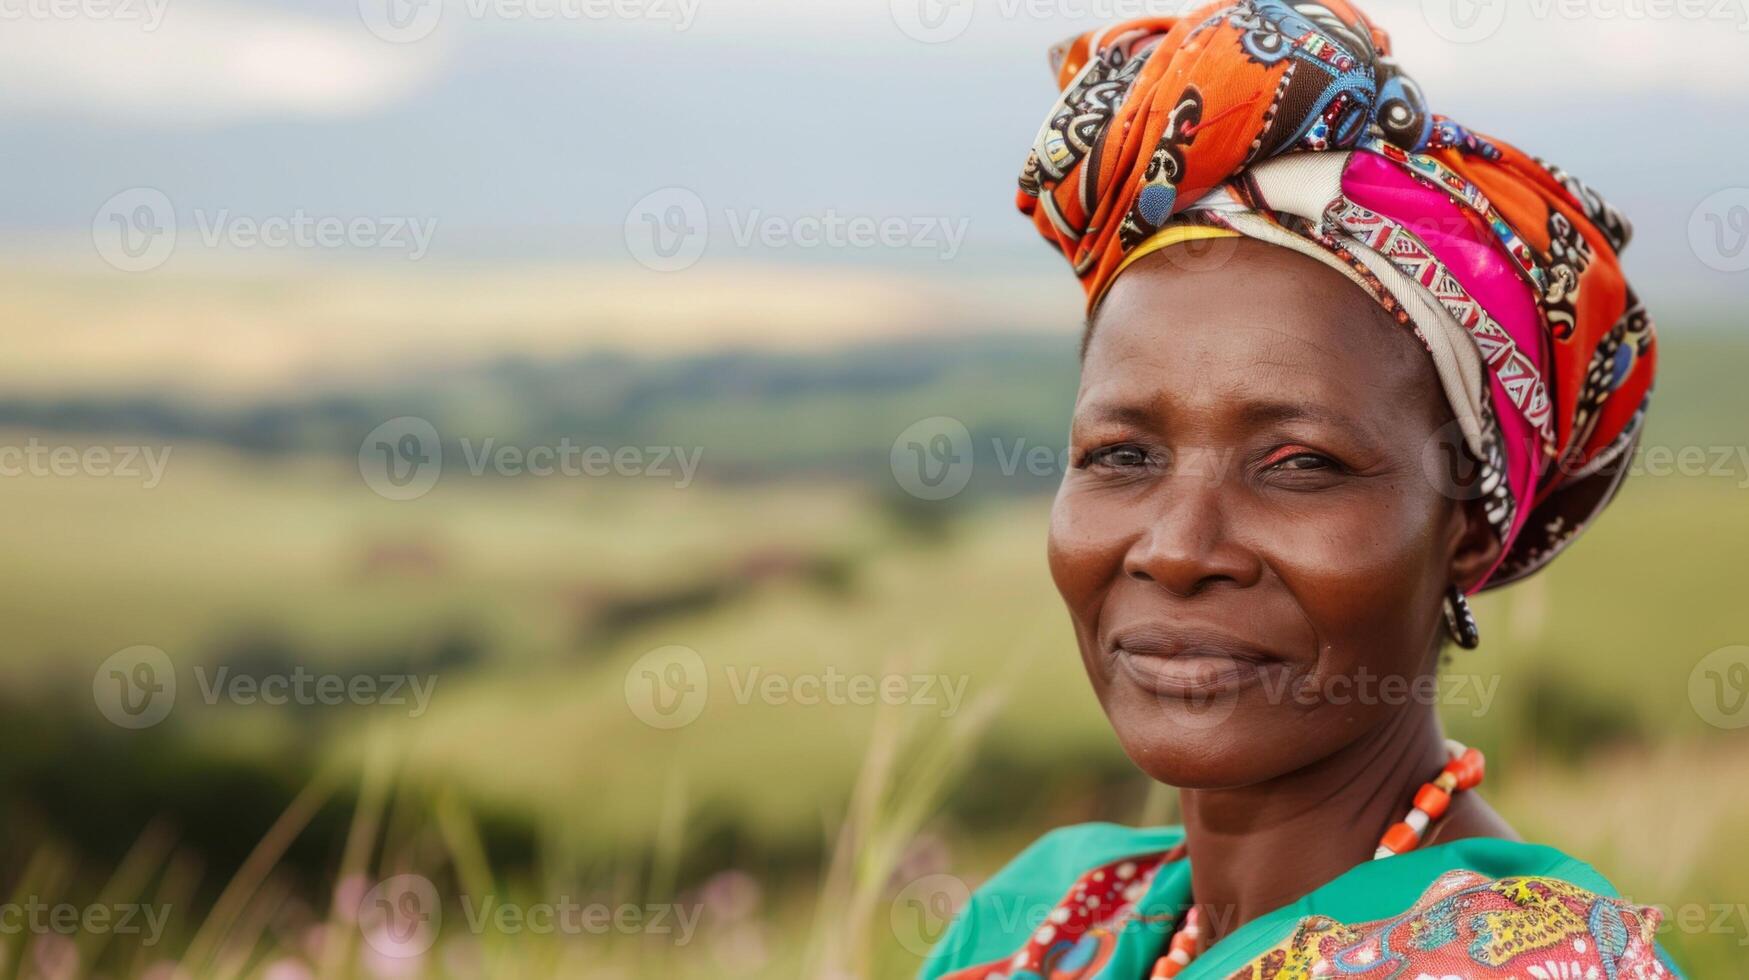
(1347, 363)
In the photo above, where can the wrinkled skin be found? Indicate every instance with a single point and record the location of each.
(1248, 538)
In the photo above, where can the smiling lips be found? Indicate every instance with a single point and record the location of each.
(1189, 663)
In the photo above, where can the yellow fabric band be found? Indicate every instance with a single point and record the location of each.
(1166, 238)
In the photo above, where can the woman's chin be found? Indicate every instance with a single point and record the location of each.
(1192, 761)
(1182, 748)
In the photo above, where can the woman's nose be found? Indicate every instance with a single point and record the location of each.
(1186, 544)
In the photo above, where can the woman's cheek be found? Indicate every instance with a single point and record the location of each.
(1360, 571)
(1086, 548)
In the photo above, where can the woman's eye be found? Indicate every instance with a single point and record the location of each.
(1304, 461)
(1126, 456)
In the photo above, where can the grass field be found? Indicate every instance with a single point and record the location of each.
(531, 606)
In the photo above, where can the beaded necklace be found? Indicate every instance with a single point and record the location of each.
(1462, 772)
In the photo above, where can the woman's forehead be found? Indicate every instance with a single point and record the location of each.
(1265, 328)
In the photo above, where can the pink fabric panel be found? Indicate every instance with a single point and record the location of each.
(1486, 273)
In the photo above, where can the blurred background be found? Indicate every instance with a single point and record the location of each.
(557, 488)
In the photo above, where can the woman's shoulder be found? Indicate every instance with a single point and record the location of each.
(1010, 910)
(1477, 907)
(1061, 856)
(1467, 924)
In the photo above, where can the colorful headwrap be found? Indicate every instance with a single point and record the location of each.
(1292, 124)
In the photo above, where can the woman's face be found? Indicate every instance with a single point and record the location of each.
(1250, 547)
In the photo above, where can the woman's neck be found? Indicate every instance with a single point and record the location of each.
(1257, 848)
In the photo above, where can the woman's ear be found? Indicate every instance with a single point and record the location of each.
(1475, 548)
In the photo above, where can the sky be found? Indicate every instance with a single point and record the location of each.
(850, 134)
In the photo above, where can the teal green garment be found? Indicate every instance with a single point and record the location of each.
(1003, 914)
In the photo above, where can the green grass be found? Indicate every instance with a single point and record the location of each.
(532, 775)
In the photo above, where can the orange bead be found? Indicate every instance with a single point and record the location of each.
(1468, 769)
(1432, 801)
(1401, 839)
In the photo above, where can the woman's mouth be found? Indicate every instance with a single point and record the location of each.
(1190, 665)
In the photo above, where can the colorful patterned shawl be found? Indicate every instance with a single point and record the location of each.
(1100, 902)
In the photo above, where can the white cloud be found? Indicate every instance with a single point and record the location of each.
(1557, 51)
(1566, 51)
(183, 61)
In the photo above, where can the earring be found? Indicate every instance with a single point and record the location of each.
(1460, 622)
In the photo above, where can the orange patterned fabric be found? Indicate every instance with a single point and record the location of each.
(1159, 117)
